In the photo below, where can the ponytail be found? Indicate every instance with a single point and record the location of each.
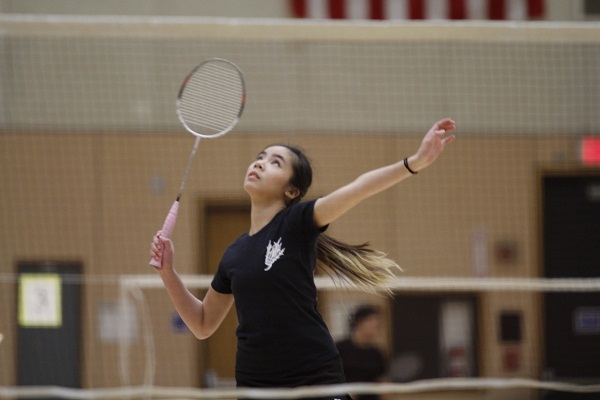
(368, 269)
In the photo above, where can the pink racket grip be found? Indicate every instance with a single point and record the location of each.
(167, 229)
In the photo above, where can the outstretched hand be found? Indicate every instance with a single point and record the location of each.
(434, 142)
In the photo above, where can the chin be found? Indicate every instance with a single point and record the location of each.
(248, 187)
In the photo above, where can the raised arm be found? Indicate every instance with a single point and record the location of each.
(202, 317)
(337, 203)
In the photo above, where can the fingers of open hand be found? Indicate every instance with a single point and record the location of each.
(441, 129)
(445, 124)
(447, 139)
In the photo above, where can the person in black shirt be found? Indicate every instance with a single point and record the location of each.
(361, 358)
(268, 271)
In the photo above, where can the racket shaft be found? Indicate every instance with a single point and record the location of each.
(167, 229)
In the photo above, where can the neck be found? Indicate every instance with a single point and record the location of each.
(262, 213)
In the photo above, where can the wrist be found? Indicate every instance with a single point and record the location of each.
(413, 165)
(167, 272)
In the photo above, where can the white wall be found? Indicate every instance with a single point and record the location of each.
(556, 10)
(206, 8)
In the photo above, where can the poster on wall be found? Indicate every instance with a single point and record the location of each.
(40, 300)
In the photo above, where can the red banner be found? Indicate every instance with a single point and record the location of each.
(419, 9)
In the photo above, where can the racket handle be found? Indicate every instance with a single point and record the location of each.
(167, 229)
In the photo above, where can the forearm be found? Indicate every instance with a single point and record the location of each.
(189, 307)
(380, 179)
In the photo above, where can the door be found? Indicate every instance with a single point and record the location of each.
(416, 327)
(434, 336)
(223, 225)
(49, 324)
(571, 249)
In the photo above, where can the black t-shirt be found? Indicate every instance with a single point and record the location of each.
(362, 364)
(282, 338)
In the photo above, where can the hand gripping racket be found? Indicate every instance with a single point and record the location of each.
(209, 104)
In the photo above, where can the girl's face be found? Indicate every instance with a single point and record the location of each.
(269, 175)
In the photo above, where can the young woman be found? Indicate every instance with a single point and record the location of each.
(268, 272)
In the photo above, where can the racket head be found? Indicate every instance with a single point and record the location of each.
(211, 99)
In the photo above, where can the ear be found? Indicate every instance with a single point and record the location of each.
(292, 193)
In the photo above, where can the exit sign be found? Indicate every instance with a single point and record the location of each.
(590, 150)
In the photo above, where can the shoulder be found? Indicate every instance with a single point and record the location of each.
(301, 207)
(300, 216)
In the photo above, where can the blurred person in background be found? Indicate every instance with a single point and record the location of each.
(362, 359)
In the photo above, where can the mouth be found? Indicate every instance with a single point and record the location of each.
(253, 174)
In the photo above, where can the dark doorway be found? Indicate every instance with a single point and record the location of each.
(49, 324)
(434, 336)
(571, 249)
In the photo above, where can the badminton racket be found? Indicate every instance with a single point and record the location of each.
(209, 104)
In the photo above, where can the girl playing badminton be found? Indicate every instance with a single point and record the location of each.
(268, 271)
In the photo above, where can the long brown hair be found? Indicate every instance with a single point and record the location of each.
(368, 269)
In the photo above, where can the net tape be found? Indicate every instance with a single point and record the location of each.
(429, 385)
(149, 281)
(409, 283)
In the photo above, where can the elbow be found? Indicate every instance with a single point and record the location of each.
(202, 333)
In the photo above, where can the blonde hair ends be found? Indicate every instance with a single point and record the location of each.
(367, 269)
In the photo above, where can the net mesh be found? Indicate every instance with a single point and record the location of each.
(92, 153)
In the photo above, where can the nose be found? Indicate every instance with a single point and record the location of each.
(258, 164)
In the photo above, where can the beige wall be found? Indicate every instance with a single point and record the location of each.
(94, 198)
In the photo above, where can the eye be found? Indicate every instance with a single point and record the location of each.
(276, 162)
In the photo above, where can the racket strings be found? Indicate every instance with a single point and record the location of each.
(216, 115)
(212, 99)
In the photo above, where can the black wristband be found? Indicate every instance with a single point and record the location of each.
(408, 168)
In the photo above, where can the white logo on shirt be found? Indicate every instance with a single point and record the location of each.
(274, 251)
